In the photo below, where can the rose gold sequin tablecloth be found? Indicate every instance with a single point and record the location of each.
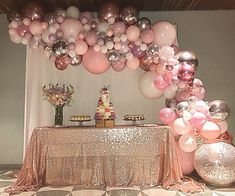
(89, 156)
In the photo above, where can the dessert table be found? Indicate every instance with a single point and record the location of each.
(90, 156)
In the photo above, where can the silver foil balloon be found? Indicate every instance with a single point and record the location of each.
(219, 110)
(182, 107)
(215, 163)
(113, 56)
(188, 57)
(171, 103)
(59, 48)
(129, 15)
(152, 50)
(75, 61)
(144, 23)
(50, 18)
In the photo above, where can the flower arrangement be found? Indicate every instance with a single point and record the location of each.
(58, 95)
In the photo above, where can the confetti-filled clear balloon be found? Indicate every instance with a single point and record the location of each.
(50, 18)
(219, 110)
(152, 50)
(113, 56)
(59, 48)
(129, 15)
(144, 23)
(188, 57)
(215, 163)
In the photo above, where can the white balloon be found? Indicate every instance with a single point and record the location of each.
(170, 91)
(72, 12)
(146, 85)
(182, 126)
(102, 26)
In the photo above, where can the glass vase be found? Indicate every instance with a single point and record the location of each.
(59, 115)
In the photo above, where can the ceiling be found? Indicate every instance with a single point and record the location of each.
(143, 5)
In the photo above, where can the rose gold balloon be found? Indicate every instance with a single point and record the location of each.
(145, 63)
(61, 63)
(34, 11)
(129, 15)
(107, 10)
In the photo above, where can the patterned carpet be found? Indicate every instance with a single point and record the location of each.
(6, 180)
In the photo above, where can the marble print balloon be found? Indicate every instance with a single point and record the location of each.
(59, 48)
(144, 23)
(215, 163)
(113, 56)
(129, 15)
(62, 62)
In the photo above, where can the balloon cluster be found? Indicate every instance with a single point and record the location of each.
(117, 38)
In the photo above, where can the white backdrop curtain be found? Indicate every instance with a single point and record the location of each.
(125, 94)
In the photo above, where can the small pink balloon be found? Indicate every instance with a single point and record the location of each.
(182, 127)
(186, 72)
(44, 25)
(86, 15)
(118, 28)
(124, 48)
(71, 27)
(133, 63)
(81, 47)
(147, 36)
(95, 62)
(35, 27)
(186, 160)
(182, 96)
(119, 66)
(91, 38)
(22, 29)
(198, 119)
(60, 19)
(26, 21)
(165, 33)
(187, 143)
(210, 130)
(200, 94)
(167, 115)
(161, 83)
(133, 33)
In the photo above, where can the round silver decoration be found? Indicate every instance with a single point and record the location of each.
(59, 48)
(113, 56)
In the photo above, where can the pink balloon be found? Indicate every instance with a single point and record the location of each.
(147, 36)
(182, 127)
(167, 115)
(160, 82)
(210, 130)
(165, 33)
(201, 106)
(95, 62)
(186, 160)
(22, 29)
(119, 66)
(133, 63)
(35, 27)
(71, 27)
(86, 15)
(186, 73)
(118, 28)
(198, 119)
(200, 94)
(187, 143)
(81, 47)
(182, 96)
(161, 68)
(133, 33)
(124, 48)
(91, 38)
(166, 52)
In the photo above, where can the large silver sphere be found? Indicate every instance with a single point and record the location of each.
(215, 163)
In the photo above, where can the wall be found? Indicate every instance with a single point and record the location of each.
(210, 34)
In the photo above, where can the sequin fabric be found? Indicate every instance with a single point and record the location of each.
(89, 156)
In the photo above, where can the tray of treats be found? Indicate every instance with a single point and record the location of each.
(80, 119)
(134, 118)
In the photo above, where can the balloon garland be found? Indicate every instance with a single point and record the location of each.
(118, 38)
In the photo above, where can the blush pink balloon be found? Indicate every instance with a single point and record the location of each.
(22, 29)
(71, 27)
(187, 143)
(165, 33)
(118, 28)
(160, 82)
(95, 62)
(210, 130)
(133, 33)
(198, 119)
(35, 27)
(167, 115)
(182, 96)
(200, 94)
(91, 38)
(133, 63)
(182, 127)
(186, 160)
(81, 47)
(147, 36)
